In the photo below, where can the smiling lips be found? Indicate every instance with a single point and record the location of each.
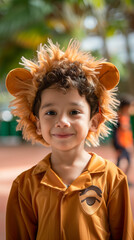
(62, 135)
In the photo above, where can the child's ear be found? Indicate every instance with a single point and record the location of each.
(95, 121)
(38, 127)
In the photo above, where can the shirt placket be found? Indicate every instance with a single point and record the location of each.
(62, 216)
(51, 179)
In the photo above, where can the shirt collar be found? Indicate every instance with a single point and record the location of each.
(50, 178)
(96, 164)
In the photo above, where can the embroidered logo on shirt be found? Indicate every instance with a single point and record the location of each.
(90, 199)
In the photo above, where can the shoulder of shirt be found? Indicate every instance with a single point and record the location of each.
(39, 168)
(114, 176)
(100, 164)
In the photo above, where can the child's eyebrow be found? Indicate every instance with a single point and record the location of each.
(47, 105)
(53, 104)
(76, 104)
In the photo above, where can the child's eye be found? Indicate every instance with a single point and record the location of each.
(74, 112)
(50, 113)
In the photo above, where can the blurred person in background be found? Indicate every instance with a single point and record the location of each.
(123, 135)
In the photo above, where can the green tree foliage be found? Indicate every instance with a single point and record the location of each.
(24, 24)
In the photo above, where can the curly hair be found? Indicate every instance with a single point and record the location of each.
(67, 75)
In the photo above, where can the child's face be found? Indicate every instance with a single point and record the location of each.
(64, 119)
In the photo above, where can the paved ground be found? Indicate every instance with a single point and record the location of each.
(15, 159)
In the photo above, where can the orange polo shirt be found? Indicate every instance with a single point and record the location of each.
(96, 206)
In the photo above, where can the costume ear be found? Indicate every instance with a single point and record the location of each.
(16, 78)
(108, 75)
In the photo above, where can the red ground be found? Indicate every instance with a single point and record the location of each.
(14, 160)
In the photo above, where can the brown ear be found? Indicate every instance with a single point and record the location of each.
(38, 127)
(16, 78)
(96, 120)
(108, 75)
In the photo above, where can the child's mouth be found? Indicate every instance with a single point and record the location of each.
(62, 135)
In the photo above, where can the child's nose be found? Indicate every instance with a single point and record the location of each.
(62, 122)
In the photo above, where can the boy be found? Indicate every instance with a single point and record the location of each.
(122, 134)
(63, 101)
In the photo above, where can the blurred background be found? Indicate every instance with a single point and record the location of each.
(104, 27)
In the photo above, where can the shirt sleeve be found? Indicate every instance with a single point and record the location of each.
(120, 214)
(20, 218)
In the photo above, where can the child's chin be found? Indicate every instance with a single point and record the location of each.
(63, 148)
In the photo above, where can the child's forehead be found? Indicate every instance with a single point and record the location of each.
(54, 90)
(71, 95)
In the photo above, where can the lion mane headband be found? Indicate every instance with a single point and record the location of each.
(23, 84)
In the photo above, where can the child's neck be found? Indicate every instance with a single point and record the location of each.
(70, 164)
